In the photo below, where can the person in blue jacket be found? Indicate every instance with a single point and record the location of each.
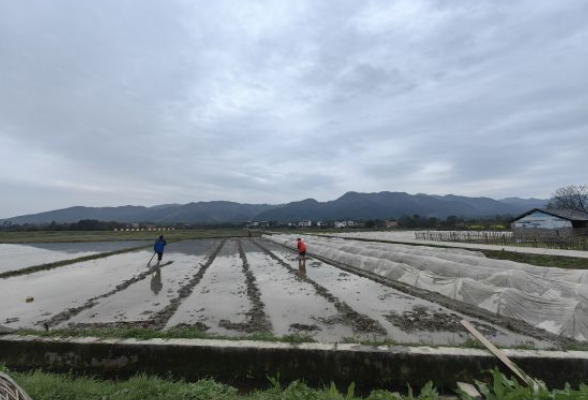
(159, 247)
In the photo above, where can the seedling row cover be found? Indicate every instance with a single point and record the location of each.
(552, 299)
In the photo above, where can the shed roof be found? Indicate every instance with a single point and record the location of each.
(570, 215)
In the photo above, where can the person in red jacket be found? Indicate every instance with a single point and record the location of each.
(301, 258)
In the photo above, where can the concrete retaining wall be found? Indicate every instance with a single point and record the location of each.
(250, 362)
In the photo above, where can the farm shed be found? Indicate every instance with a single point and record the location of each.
(551, 219)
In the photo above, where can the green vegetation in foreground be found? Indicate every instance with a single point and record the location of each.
(110, 236)
(539, 259)
(48, 386)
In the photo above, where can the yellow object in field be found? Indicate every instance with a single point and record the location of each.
(30, 299)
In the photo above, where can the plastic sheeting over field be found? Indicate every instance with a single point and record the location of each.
(553, 299)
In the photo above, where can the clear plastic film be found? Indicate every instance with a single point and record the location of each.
(552, 299)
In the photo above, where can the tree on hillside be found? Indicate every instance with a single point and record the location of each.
(572, 197)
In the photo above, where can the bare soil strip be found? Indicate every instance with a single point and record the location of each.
(57, 264)
(360, 323)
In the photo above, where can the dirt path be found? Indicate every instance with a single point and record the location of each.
(408, 237)
(360, 323)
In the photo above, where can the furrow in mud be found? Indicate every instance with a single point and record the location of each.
(258, 320)
(161, 318)
(360, 323)
(71, 312)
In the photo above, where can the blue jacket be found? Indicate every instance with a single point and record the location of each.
(159, 245)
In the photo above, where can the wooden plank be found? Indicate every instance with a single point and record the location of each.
(499, 354)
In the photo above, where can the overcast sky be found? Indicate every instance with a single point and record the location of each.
(140, 102)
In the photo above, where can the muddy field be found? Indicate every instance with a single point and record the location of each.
(234, 287)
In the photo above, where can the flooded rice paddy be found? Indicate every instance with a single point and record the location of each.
(233, 287)
(18, 256)
(219, 303)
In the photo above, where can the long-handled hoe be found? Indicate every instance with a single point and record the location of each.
(151, 259)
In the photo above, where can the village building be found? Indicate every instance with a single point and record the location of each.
(560, 221)
(305, 223)
(391, 223)
(350, 223)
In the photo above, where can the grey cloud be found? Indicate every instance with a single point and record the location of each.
(182, 101)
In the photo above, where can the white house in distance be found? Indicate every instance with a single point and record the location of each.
(305, 223)
(548, 219)
(347, 223)
(391, 223)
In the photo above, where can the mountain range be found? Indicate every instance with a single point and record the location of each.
(352, 205)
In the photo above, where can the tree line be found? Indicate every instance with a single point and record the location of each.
(81, 225)
(452, 222)
(571, 197)
(97, 225)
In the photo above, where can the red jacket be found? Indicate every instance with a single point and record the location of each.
(301, 246)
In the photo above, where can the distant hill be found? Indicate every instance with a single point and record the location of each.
(527, 203)
(202, 212)
(351, 205)
(394, 205)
